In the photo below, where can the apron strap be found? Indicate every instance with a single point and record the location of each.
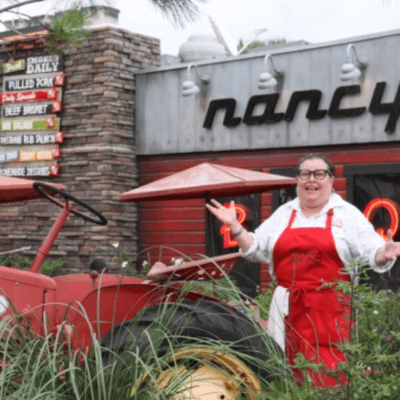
(329, 219)
(292, 217)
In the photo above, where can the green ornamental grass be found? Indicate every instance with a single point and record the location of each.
(46, 368)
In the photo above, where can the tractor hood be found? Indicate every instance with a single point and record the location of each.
(204, 269)
(17, 189)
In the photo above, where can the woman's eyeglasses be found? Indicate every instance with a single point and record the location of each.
(318, 174)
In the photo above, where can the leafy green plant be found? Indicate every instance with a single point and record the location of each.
(51, 265)
(31, 366)
(128, 264)
(374, 350)
(252, 45)
(15, 261)
(373, 353)
(273, 42)
(46, 367)
(221, 289)
(264, 300)
(257, 44)
(23, 262)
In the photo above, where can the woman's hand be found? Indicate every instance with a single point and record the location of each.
(390, 252)
(392, 249)
(228, 217)
(225, 215)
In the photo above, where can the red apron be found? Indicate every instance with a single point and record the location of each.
(305, 260)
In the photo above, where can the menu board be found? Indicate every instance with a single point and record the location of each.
(31, 103)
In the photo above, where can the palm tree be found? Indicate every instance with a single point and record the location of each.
(67, 29)
(178, 11)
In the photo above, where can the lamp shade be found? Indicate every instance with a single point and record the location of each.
(266, 80)
(189, 88)
(349, 72)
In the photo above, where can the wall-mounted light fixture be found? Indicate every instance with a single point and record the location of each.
(189, 87)
(349, 70)
(266, 79)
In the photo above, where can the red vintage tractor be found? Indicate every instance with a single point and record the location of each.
(104, 305)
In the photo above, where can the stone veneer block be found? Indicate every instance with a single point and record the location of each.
(98, 159)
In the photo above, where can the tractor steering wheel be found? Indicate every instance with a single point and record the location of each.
(100, 220)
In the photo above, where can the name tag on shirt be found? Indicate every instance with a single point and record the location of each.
(337, 222)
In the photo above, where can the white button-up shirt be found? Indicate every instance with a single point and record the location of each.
(354, 236)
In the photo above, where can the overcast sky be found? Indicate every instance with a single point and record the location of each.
(315, 21)
(311, 20)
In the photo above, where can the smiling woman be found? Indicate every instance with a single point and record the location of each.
(309, 244)
(314, 184)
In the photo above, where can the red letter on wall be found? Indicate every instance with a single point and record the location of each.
(393, 210)
(225, 231)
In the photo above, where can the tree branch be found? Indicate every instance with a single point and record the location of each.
(23, 34)
(12, 29)
(28, 16)
(23, 3)
(15, 251)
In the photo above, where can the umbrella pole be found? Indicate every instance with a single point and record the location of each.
(210, 245)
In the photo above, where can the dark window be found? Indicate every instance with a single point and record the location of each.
(375, 190)
(219, 241)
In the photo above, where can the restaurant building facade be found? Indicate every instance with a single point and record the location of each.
(264, 111)
(127, 121)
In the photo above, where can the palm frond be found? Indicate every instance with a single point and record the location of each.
(180, 11)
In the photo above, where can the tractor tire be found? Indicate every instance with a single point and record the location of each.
(187, 322)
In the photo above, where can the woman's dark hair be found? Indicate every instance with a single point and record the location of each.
(313, 156)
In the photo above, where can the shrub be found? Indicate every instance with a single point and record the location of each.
(373, 353)
(46, 368)
(15, 261)
(23, 262)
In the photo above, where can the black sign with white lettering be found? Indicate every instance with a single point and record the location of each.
(41, 64)
(44, 64)
(30, 171)
(13, 85)
(27, 109)
(7, 156)
(38, 138)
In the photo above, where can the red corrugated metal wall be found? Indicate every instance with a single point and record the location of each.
(180, 225)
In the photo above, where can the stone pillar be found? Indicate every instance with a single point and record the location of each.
(98, 159)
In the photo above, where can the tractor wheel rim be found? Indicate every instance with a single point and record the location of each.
(218, 376)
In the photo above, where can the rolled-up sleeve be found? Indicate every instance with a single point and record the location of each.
(256, 252)
(265, 236)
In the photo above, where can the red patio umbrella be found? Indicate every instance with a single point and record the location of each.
(206, 180)
(18, 189)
